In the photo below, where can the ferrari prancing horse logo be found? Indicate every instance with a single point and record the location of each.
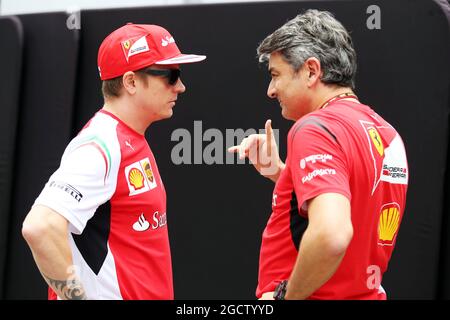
(376, 139)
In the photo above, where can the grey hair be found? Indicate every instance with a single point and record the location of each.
(314, 34)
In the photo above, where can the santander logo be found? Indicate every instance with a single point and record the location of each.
(159, 220)
(142, 224)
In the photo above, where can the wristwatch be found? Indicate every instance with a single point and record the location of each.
(280, 290)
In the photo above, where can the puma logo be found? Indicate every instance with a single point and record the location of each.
(128, 144)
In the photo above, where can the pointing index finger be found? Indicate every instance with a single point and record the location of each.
(269, 134)
(233, 149)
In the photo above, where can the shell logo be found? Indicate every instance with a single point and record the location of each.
(388, 224)
(148, 171)
(373, 133)
(136, 178)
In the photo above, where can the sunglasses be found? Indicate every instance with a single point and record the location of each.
(172, 75)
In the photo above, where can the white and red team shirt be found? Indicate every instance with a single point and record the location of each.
(344, 148)
(109, 189)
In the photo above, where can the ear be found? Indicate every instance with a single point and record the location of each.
(129, 82)
(313, 71)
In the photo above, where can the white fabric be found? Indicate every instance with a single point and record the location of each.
(83, 167)
(183, 58)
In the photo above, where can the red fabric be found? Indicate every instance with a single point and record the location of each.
(51, 294)
(142, 258)
(138, 236)
(136, 46)
(337, 149)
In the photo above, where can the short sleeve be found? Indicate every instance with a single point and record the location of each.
(79, 186)
(317, 162)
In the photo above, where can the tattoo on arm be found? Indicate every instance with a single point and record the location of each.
(68, 289)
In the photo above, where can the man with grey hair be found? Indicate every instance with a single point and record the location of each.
(339, 197)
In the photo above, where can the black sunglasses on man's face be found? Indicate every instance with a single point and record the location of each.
(172, 75)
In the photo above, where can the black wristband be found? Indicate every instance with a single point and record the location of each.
(280, 290)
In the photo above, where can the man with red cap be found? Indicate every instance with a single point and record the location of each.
(98, 230)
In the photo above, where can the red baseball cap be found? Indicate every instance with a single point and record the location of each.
(136, 46)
